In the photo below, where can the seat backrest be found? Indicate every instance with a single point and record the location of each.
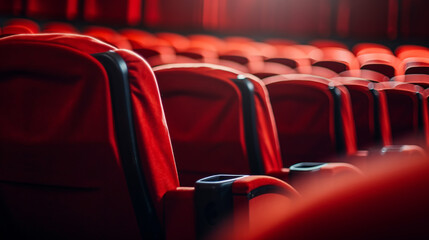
(22, 22)
(405, 104)
(369, 112)
(337, 59)
(213, 126)
(313, 117)
(70, 150)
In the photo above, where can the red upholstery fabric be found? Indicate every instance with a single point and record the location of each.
(363, 48)
(21, 22)
(108, 35)
(304, 111)
(366, 74)
(204, 113)
(363, 112)
(112, 11)
(337, 59)
(384, 63)
(273, 68)
(403, 111)
(12, 30)
(180, 220)
(367, 19)
(71, 120)
(49, 135)
(415, 65)
(407, 51)
(391, 204)
(421, 80)
(49, 9)
(59, 27)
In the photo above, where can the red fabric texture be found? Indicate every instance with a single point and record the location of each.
(363, 112)
(179, 221)
(337, 59)
(59, 27)
(403, 110)
(204, 113)
(57, 132)
(384, 63)
(364, 48)
(112, 11)
(151, 128)
(55, 9)
(33, 26)
(366, 74)
(109, 36)
(304, 111)
(12, 30)
(93, 196)
(421, 80)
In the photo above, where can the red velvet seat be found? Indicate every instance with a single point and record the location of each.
(311, 125)
(59, 27)
(205, 115)
(52, 9)
(384, 63)
(406, 112)
(313, 116)
(272, 69)
(220, 121)
(421, 80)
(337, 59)
(85, 151)
(364, 48)
(366, 74)
(23, 23)
(369, 112)
(108, 35)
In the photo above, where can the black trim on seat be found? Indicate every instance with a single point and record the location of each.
(377, 125)
(144, 210)
(339, 132)
(249, 116)
(420, 112)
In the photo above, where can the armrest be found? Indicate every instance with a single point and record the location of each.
(402, 150)
(303, 175)
(221, 197)
(179, 214)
